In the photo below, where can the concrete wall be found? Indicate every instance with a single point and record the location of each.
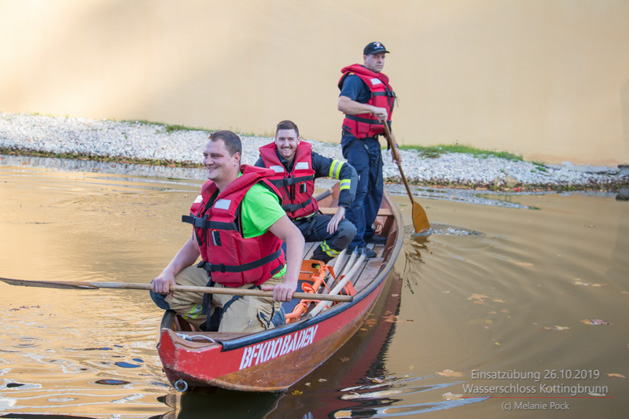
(548, 79)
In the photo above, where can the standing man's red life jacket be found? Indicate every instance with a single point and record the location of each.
(297, 186)
(382, 95)
(229, 258)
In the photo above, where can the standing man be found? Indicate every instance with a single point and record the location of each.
(367, 101)
(296, 166)
(239, 227)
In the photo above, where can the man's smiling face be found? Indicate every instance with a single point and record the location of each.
(221, 167)
(286, 141)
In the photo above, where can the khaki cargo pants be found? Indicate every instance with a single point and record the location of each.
(240, 313)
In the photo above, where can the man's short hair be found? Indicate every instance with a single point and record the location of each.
(231, 140)
(286, 124)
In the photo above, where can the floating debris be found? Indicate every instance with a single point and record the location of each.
(586, 284)
(450, 396)
(559, 328)
(477, 298)
(450, 373)
(595, 322)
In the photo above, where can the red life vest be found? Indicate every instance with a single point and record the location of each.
(382, 95)
(231, 259)
(297, 186)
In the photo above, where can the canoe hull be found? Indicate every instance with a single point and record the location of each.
(261, 366)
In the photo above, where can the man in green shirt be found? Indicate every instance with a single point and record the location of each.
(263, 226)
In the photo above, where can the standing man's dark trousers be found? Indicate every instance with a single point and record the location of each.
(366, 157)
(314, 228)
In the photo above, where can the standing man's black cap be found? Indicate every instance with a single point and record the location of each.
(374, 48)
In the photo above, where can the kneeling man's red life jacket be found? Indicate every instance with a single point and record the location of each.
(297, 186)
(231, 259)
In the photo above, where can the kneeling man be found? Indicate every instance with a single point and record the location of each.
(296, 166)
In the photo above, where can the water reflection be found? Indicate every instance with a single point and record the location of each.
(492, 288)
(221, 404)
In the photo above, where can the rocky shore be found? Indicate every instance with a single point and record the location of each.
(176, 152)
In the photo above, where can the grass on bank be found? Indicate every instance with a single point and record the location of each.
(169, 128)
(435, 151)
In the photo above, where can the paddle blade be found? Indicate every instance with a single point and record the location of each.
(48, 284)
(420, 220)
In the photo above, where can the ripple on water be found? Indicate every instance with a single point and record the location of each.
(449, 230)
(390, 397)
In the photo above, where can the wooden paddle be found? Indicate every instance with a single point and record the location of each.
(334, 190)
(324, 194)
(204, 290)
(420, 219)
(335, 291)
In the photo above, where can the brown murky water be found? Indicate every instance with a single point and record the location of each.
(538, 294)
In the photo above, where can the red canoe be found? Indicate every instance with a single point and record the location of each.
(275, 359)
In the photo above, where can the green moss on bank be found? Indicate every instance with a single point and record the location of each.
(167, 127)
(435, 151)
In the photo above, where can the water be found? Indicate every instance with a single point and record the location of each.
(535, 287)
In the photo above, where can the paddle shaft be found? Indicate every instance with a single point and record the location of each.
(338, 287)
(420, 219)
(396, 156)
(188, 288)
(323, 195)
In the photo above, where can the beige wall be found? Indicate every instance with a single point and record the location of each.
(548, 79)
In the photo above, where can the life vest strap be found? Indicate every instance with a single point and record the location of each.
(220, 267)
(363, 120)
(289, 181)
(295, 207)
(204, 223)
(388, 93)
